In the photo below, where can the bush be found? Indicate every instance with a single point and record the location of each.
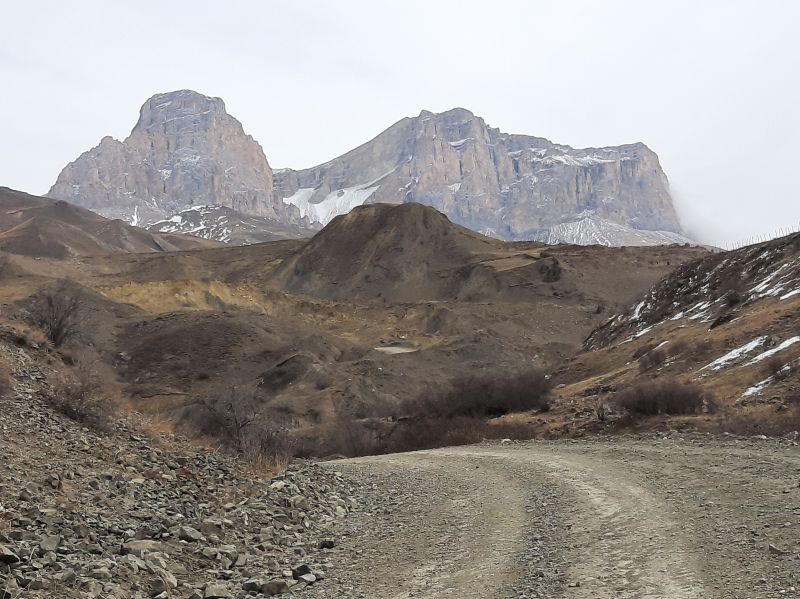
(777, 368)
(652, 398)
(78, 394)
(550, 271)
(58, 314)
(653, 358)
(238, 418)
(488, 395)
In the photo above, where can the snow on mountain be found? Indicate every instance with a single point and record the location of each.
(597, 231)
(220, 223)
(335, 203)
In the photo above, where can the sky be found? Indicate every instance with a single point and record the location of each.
(713, 87)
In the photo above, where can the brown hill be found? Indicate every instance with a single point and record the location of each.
(41, 227)
(727, 322)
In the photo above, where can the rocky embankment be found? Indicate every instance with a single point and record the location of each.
(122, 515)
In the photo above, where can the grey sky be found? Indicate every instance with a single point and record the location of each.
(712, 87)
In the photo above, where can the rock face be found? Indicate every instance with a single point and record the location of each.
(185, 150)
(507, 186)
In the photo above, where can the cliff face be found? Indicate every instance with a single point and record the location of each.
(185, 150)
(508, 186)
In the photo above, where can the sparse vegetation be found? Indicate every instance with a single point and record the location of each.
(487, 395)
(550, 270)
(238, 417)
(58, 314)
(651, 359)
(651, 398)
(5, 378)
(78, 394)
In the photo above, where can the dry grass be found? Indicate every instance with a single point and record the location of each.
(765, 420)
(651, 398)
(80, 394)
(6, 382)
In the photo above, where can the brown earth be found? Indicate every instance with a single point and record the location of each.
(44, 228)
(310, 322)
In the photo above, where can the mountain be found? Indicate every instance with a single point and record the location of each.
(184, 151)
(221, 223)
(508, 186)
(41, 227)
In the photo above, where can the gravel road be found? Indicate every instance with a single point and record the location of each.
(676, 516)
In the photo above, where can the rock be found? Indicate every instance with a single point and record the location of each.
(192, 535)
(140, 547)
(185, 150)
(216, 591)
(275, 587)
(307, 578)
(252, 586)
(327, 544)
(7, 556)
(774, 550)
(490, 181)
(300, 571)
(50, 543)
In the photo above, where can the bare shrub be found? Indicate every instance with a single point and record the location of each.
(651, 398)
(78, 394)
(487, 395)
(550, 270)
(58, 314)
(429, 433)
(640, 351)
(775, 366)
(651, 359)
(238, 418)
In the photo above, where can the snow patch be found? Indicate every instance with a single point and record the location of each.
(735, 354)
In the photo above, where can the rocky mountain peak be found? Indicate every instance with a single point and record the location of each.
(184, 151)
(183, 107)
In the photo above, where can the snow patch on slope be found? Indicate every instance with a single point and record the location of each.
(335, 203)
(597, 231)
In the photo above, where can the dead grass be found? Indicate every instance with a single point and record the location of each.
(668, 396)
(80, 394)
(767, 420)
(6, 382)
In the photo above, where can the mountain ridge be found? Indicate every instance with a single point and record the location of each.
(186, 150)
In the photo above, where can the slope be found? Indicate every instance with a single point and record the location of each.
(35, 226)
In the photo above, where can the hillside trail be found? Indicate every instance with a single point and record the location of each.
(668, 517)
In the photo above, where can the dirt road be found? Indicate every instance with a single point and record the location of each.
(677, 517)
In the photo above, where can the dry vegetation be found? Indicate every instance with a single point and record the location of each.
(668, 396)
(58, 314)
(6, 384)
(82, 395)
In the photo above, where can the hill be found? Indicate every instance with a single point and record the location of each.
(41, 227)
(726, 322)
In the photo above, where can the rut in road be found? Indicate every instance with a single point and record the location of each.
(492, 522)
(626, 546)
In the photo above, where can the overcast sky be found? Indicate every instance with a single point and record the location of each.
(712, 87)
